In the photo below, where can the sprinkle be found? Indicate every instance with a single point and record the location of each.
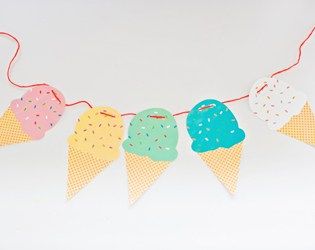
(208, 129)
(200, 124)
(100, 125)
(168, 126)
(167, 148)
(209, 119)
(232, 131)
(26, 118)
(200, 131)
(217, 139)
(221, 112)
(142, 127)
(207, 139)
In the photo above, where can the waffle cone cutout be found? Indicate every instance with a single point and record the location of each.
(302, 126)
(11, 131)
(224, 163)
(82, 169)
(142, 173)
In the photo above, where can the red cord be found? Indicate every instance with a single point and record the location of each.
(11, 61)
(29, 85)
(299, 55)
(75, 103)
(133, 114)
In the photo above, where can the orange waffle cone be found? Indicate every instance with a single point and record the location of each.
(225, 162)
(82, 169)
(142, 173)
(11, 131)
(301, 126)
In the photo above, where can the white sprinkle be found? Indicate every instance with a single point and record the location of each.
(168, 126)
(17, 105)
(215, 114)
(53, 99)
(200, 124)
(37, 99)
(209, 120)
(167, 148)
(200, 131)
(217, 139)
(221, 112)
(232, 131)
(46, 117)
(26, 118)
(207, 139)
(143, 127)
(208, 129)
(155, 112)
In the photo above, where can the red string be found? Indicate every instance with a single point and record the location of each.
(8, 72)
(75, 103)
(299, 55)
(11, 62)
(133, 114)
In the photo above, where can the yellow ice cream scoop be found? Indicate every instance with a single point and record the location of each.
(99, 131)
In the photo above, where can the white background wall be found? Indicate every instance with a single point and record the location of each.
(138, 54)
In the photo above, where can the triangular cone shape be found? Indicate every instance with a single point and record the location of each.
(225, 162)
(82, 169)
(11, 131)
(302, 126)
(142, 173)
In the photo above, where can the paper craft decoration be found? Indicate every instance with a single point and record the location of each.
(284, 109)
(150, 148)
(94, 145)
(31, 116)
(217, 139)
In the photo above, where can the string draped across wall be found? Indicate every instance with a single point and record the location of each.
(152, 136)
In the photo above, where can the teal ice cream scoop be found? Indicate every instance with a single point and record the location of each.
(211, 125)
(153, 133)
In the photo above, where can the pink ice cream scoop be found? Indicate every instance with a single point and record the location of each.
(38, 110)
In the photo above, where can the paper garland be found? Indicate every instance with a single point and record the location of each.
(153, 134)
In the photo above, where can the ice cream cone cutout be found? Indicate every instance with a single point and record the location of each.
(284, 109)
(93, 146)
(150, 148)
(217, 139)
(31, 116)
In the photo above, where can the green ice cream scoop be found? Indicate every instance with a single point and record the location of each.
(153, 133)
